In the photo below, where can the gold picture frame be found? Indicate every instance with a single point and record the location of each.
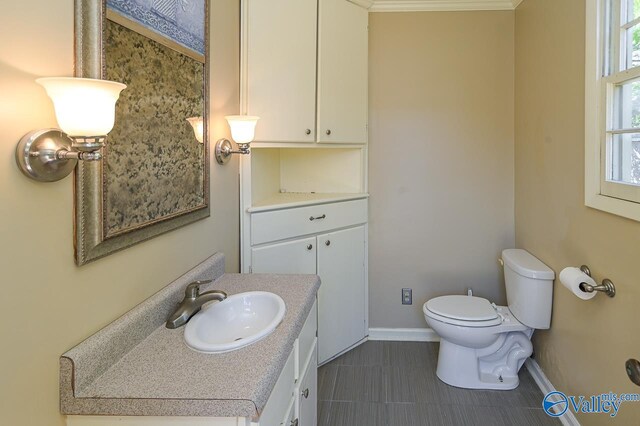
(92, 239)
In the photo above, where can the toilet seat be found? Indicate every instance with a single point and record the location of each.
(466, 311)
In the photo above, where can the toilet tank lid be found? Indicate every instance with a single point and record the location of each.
(526, 264)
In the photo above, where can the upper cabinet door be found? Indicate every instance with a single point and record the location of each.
(281, 68)
(342, 72)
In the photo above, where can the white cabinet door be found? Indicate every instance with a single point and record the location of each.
(281, 69)
(341, 298)
(342, 72)
(289, 418)
(291, 257)
(308, 394)
(282, 398)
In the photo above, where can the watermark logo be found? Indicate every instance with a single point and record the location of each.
(555, 404)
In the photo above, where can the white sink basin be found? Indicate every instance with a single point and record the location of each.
(238, 321)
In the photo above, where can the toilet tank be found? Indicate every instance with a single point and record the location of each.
(529, 285)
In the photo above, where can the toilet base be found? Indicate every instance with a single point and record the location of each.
(485, 381)
(494, 367)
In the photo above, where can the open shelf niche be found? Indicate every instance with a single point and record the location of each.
(287, 177)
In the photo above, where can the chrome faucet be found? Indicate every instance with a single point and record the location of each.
(192, 302)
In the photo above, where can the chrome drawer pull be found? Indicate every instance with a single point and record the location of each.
(318, 217)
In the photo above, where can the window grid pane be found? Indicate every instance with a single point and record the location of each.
(623, 154)
(632, 10)
(622, 29)
(626, 106)
(632, 47)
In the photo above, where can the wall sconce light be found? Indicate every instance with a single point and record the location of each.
(85, 111)
(198, 127)
(243, 128)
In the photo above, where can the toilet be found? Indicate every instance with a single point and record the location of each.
(482, 345)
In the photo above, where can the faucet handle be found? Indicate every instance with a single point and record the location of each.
(193, 290)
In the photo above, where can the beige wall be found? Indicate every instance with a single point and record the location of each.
(48, 304)
(440, 157)
(584, 351)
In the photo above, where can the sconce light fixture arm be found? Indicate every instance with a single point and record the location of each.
(224, 150)
(48, 155)
(63, 154)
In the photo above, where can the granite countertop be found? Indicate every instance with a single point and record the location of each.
(160, 376)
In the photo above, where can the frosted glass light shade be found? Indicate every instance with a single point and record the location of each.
(84, 106)
(198, 127)
(243, 127)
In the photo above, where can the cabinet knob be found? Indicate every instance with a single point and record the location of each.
(294, 422)
(310, 246)
(328, 132)
(307, 132)
(327, 243)
(305, 393)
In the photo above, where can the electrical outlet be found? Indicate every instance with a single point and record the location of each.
(407, 296)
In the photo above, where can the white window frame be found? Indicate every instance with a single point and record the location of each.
(598, 89)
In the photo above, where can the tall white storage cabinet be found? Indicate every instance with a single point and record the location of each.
(304, 194)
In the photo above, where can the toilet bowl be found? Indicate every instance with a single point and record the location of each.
(483, 345)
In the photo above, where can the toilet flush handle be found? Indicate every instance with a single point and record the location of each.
(495, 307)
(501, 262)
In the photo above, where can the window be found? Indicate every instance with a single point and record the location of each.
(613, 107)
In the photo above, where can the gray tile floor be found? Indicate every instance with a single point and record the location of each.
(395, 384)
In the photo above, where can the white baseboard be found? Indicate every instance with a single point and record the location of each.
(568, 418)
(404, 334)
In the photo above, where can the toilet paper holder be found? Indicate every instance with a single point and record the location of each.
(606, 287)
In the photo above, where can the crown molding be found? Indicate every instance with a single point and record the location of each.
(441, 5)
(364, 3)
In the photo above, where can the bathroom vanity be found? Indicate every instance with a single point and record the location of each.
(135, 371)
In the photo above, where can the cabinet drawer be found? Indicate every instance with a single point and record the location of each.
(288, 223)
(280, 397)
